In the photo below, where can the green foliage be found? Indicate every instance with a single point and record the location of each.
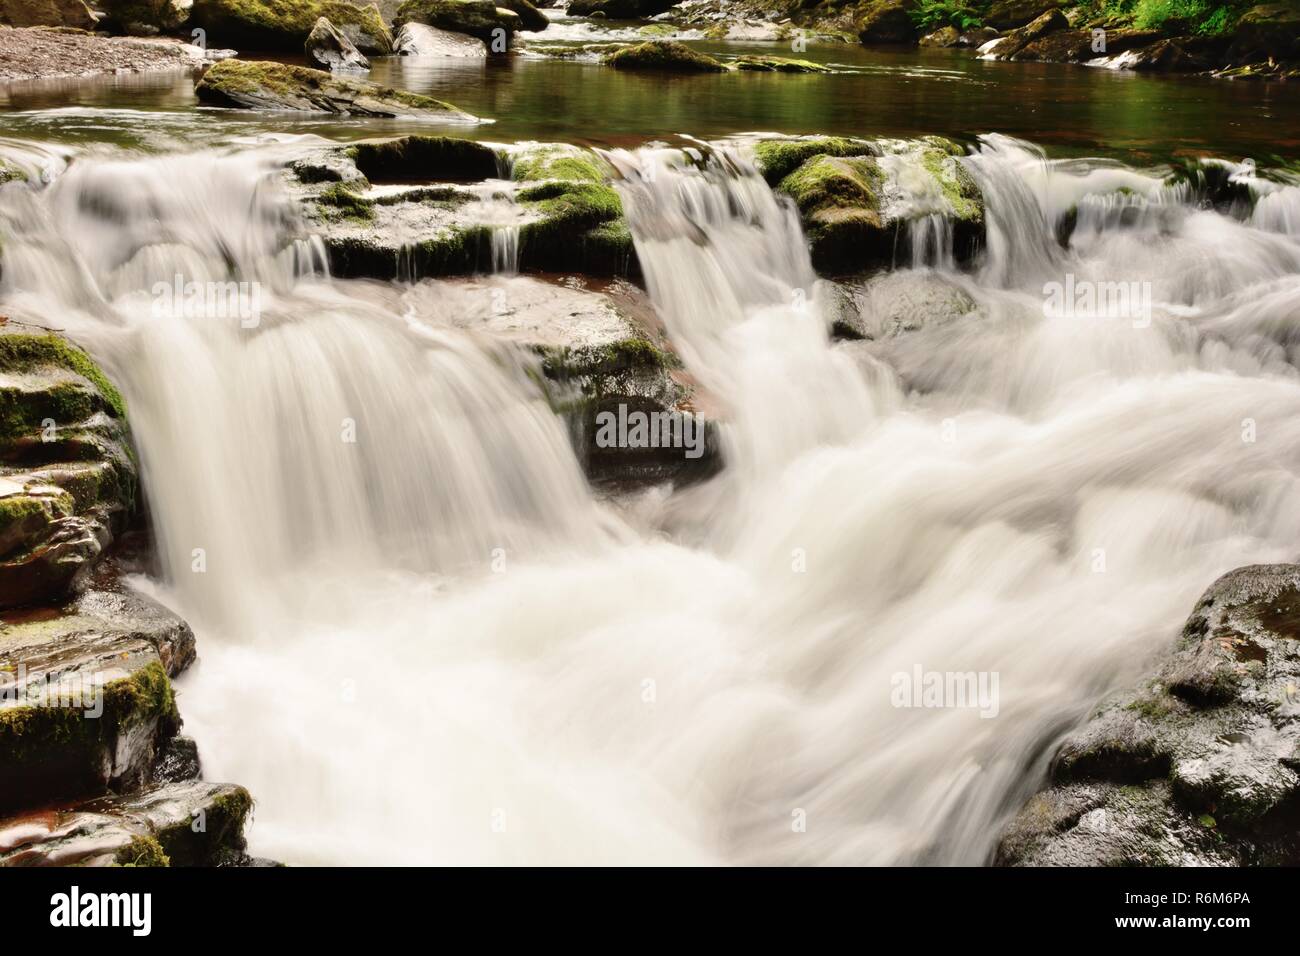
(931, 15)
(1203, 17)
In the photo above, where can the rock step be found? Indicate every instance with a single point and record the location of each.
(179, 824)
(85, 695)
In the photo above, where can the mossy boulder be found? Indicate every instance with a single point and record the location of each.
(579, 228)
(69, 476)
(664, 56)
(778, 158)
(1051, 22)
(859, 201)
(47, 13)
(482, 19)
(186, 824)
(1012, 14)
(283, 25)
(265, 85)
(1208, 746)
(1267, 31)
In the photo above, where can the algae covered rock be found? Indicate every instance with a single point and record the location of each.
(860, 202)
(265, 85)
(68, 479)
(754, 63)
(665, 56)
(1198, 764)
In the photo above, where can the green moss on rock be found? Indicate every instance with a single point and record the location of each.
(338, 200)
(778, 158)
(23, 352)
(667, 56)
(142, 851)
(778, 64)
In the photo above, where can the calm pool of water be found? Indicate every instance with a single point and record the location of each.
(1068, 109)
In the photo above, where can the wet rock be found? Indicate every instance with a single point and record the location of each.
(145, 17)
(1079, 46)
(452, 207)
(943, 37)
(67, 470)
(778, 158)
(47, 13)
(1051, 22)
(1012, 14)
(1197, 765)
(273, 25)
(619, 9)
(530, 18)
(481, 19)
(890, 304)
(176, 761)
(888, 22)
(183, 824)
(859, 207)
(976, 36)
(418, 39)
(664, 56)
(1178, 55)
(85, 695)
(332, 50)
(264, 85)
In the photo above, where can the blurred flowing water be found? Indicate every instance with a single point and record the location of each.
(425, 640)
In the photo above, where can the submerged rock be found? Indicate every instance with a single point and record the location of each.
(69, 477)
(419, 39)
(264, 85)
(85, 695)
(333, 50)
(184, 824)
(1200, 764)
(278, 25)
(666, 56)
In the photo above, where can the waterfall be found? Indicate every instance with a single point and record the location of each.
(423, 639)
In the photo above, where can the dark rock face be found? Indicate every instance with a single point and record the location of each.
(1270, 30)
(888, 22)
(1201, 763)
(332, 50)
(1011, 14)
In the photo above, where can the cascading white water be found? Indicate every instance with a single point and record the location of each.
(431, 645)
